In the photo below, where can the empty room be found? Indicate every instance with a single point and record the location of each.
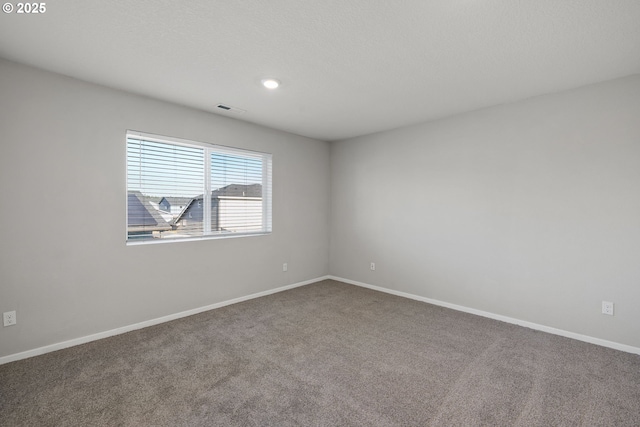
(353, 213)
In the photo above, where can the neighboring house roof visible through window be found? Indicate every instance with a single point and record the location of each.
(142, 215)
(238, 190)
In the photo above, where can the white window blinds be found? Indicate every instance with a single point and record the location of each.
(179, 189)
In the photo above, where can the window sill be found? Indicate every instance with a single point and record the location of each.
(194, 239)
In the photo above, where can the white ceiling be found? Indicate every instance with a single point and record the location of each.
(348, 67)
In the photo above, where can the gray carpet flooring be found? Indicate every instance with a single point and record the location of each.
(326, 354)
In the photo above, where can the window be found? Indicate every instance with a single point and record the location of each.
(222, 191)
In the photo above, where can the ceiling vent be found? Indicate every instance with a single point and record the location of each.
(231, 109)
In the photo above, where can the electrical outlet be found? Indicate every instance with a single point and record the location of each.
(373, 266)
(607, 308)
(285, 267)
(9, 318)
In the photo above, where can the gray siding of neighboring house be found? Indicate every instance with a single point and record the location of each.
(190, 221)
(227, 204)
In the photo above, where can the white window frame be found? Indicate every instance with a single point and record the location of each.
(208, 149)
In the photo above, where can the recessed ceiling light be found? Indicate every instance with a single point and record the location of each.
(270, 83)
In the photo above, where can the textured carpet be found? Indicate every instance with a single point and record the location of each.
(326, 354)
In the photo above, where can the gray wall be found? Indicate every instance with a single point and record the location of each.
(64, 265)
(529, 210)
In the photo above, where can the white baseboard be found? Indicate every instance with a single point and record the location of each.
(82, 340)
(531, 325)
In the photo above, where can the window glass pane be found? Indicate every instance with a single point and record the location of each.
(163, 180)
(236, 196)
